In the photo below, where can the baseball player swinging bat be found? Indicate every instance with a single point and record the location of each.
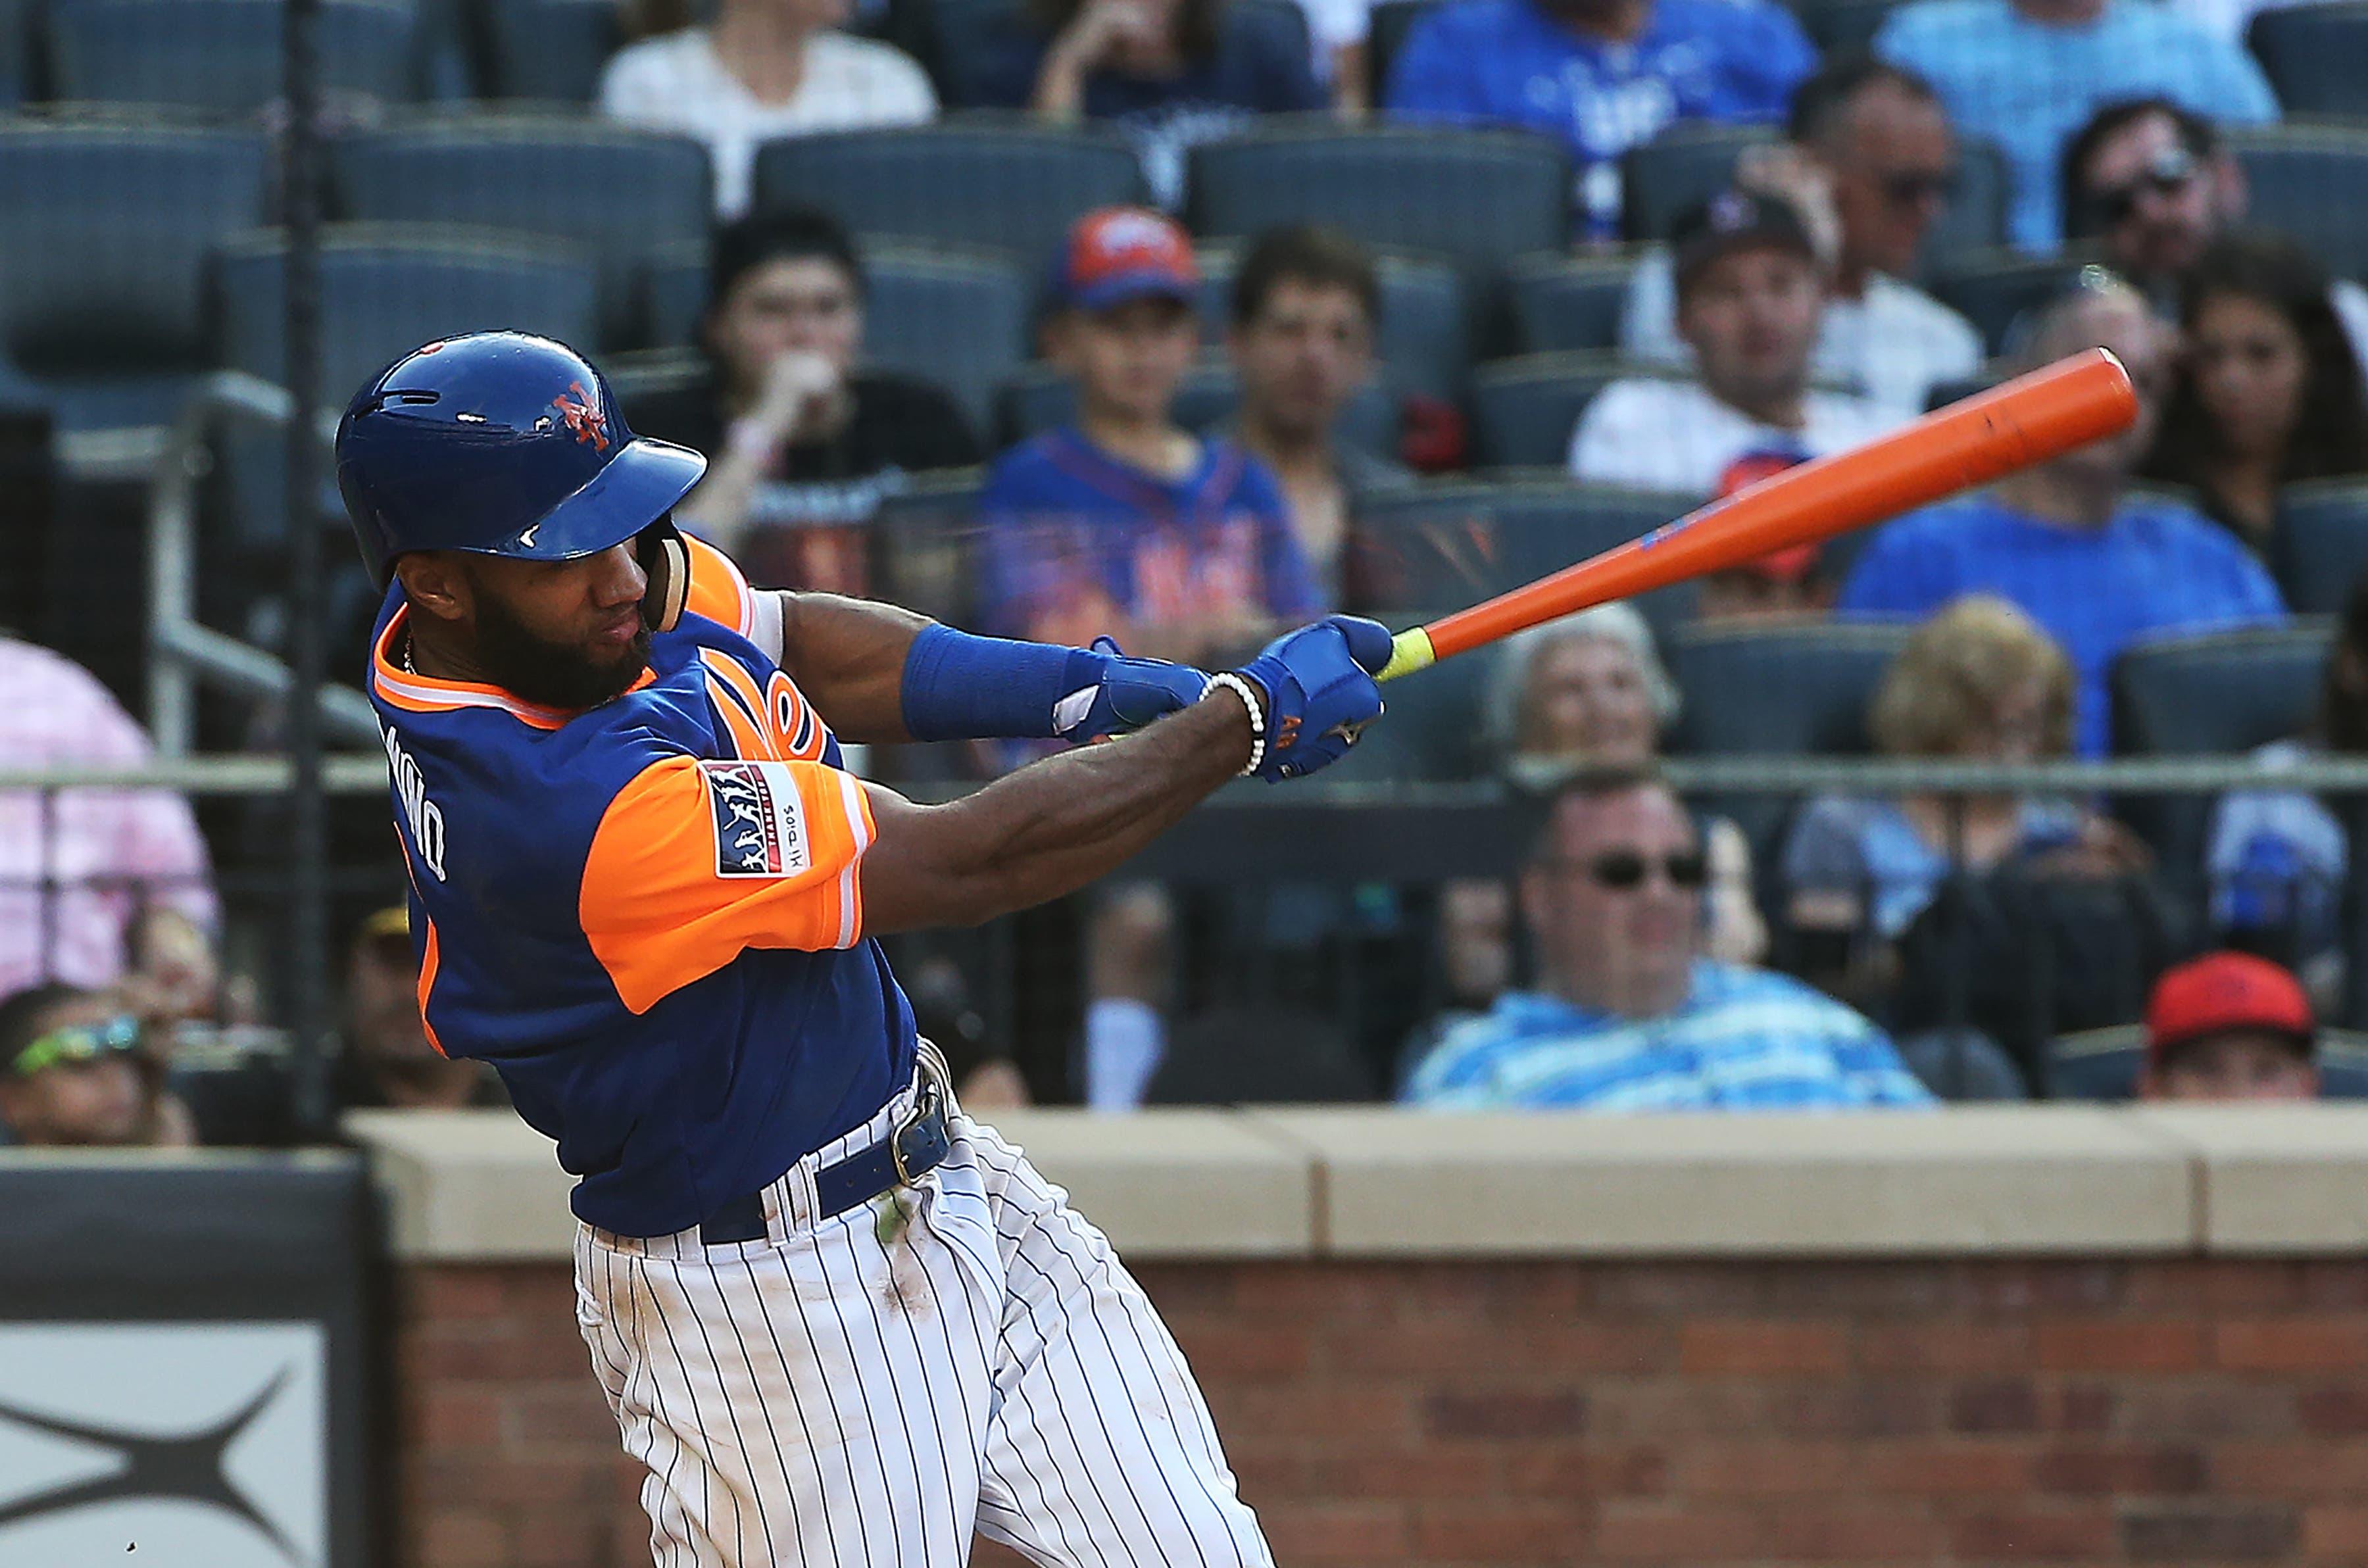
(2026, 420)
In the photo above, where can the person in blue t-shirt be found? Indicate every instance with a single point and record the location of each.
(1600, 76)
(2100, 570)
(2027, 74)
(1124, 522)
(1167, 74)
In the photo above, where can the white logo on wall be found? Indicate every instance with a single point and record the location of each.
(199, 1445)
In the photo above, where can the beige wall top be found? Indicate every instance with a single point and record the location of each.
(1375, 1182)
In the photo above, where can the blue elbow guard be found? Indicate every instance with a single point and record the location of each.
(960, 687)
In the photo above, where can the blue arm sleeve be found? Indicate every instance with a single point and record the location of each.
(960, 687)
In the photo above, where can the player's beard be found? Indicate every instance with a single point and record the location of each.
(551, 674)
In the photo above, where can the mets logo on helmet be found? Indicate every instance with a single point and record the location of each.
(588, 422)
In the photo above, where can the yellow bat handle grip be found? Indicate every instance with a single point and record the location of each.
(1409, 652)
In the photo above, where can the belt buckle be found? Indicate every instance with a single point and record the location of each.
(896, 1151)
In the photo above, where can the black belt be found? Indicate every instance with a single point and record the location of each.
(901, 1158)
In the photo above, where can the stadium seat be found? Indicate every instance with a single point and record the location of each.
(222, 56)
(1473, 196)
(548, 49)
(18, 52)
(1524, 409)
(1449, 544)
(1429, 730)
(1974, 217)
(2315, 56)
(1564, 302)
(2103, 1064)
(956, 318)
(1000, 182)
(2320, 546)
(1688, 164)
(1424, 339)
(1779, 690)
(2304, 179)
(1993, 288)
(924, 534)
(968, 37)
(1386, 30)
(1841, 26)
(384, 290)
(104, 232)
(624, 195)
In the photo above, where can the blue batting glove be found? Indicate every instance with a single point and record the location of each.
(1320, 694)
(1129, 694)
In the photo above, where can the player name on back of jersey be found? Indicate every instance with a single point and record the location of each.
(760, 827)
(426, 819)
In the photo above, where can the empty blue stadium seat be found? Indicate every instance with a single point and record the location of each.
(1524, 409)
(996, 181)
(620, 195)
(104, 232)
(2304, 181)
(1686, 165)
(548, 49)
(2315, 56)
(2103, 1064)
(2320, 546)
(384, 290)
(1476, 197)
(1569, 302)
(1424, 342)
(222, 56)
(1993, 288)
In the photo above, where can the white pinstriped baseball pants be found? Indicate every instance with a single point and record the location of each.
(824, 1397)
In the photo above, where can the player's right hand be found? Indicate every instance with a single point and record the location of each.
(1318, 682)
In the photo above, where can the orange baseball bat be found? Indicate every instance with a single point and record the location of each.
(2025, 421)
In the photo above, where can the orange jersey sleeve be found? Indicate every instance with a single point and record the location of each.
(718, 591)
(696, 861)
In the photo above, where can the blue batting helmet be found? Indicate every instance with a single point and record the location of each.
(505, 444)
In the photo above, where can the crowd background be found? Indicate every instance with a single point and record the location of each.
(1178, 321)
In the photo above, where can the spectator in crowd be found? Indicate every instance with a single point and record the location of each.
(806, 444)
(1304, 308)
(1167, 74)
(2229, 1026)
(1628, 1015)
(1792, 584)
(1600, 76)
(2152, 185)
(2026, 74)
(1124, 523)
(1869, 150)
(2097, 569)
(2278, 860)
(763, 69)
(97, 887)
(1341, 32)
(2268, 389)
(389, 1063)
(1590, 691)
(1979, 682)
(76, 1069)
(1749, 294)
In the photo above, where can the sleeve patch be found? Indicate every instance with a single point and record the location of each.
(759, 820)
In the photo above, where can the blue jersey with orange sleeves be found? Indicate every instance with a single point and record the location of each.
(647, 916)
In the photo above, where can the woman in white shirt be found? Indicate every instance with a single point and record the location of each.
(764, 68)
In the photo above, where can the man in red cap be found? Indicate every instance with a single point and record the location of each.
(2229, 1026)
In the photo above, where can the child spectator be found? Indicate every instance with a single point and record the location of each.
(1165, 72)
(1869, 147)
(806, 444)
(1749, 293)
(2026, 74)
(2268, 389)
(1304, 308)
(762, 69)
(1125, 523)
(2097, 569)
(1598, 75)
(2229, 1026)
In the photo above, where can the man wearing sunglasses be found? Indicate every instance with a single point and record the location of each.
(1627, 1014)
(1869, 153)
(75, 1070)
(2151, 184)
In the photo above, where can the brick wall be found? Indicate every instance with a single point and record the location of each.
(1652, 1414)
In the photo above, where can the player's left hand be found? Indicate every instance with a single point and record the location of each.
(1320, 693)
(1130, 694)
